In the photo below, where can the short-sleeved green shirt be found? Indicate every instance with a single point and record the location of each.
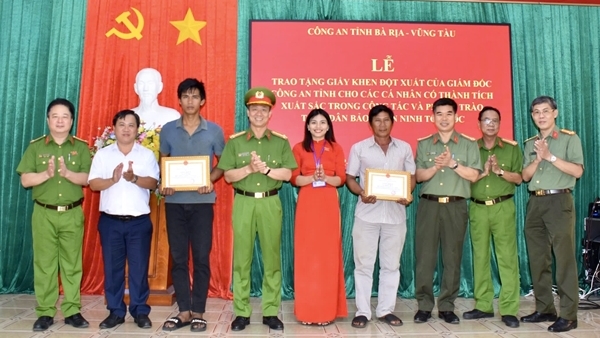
(509, 158)
(446, 182)
(57, 190)
(272, 147)
(562, 143)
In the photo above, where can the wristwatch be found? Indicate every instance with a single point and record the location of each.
(454, 166)
(552, 159)
(501, 173)
(135, 177)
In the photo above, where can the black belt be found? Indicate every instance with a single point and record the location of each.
(493, 201)
(549, 192)
(256, 194)
(124, 218)
(442, 199)
(60, 207)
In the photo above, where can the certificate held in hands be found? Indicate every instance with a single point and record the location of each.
(185, 173)
(389, 185)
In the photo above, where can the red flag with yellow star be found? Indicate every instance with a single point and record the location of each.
(180, 39)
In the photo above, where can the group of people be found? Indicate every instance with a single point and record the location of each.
(453, 168)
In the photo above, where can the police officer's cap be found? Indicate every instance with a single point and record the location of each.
(259, 95)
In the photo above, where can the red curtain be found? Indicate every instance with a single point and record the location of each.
(109, 69)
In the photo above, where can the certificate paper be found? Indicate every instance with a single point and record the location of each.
(185, 173)
(390, 185)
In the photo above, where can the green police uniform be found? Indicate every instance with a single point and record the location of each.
(492, 213)
(442, 216)
(550, 224)
(257, 214)
(57, 234)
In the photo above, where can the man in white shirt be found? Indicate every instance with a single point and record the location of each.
(124, 173)
(378, 223)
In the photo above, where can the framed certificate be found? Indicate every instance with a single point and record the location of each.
(389, 185)
(185, 173)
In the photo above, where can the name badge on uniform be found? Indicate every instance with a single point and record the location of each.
(318, 184)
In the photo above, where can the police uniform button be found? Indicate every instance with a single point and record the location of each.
(442, 183)
(59, 147)
(44, 162)
(73, 162)
(487, 185)
(58, 170)
(540, 168)
(59, 195)
(258, 142)
(59, 182)
(243, 161)
(537, 181)
(429, 160)
(442, 170)
(257, 183)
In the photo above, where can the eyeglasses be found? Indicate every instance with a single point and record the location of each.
(545, 112)
(488, 121)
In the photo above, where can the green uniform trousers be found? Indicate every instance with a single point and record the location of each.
(497, 221)
(550, 226)
(445, 223)
(251, 216)
(57, 242)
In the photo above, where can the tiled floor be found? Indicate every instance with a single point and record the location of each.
(17, 315)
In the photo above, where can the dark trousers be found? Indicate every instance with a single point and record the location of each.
(550, 227)
(190, 224)
(126, 241)
(439, 224)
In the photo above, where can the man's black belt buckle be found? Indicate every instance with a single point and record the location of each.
(549, 192)
(124, 218)
(442, 199)
(492, 201)
(256, 194)
(60, 208)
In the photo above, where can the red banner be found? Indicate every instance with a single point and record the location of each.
(346, 68)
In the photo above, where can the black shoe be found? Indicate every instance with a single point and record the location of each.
(43, 323)
(510, 321)
(422, 316)
(537, 317)
(562, 325)
(449, 317)
(273, 322)
(239, 323)
(143, 321)
(111, 321)
(477, 314)
(77, 321)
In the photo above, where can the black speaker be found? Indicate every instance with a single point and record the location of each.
(592, 229)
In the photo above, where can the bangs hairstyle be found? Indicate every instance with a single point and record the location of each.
(329, 136)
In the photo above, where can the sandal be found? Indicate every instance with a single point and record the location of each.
(360, 322)
(174, 323)
(198, 325)
(391, 319)
(325, 323)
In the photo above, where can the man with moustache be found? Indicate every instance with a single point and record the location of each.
(124, 173)
(256, 162)
(552, 163)
(190, 214)
(56, 166)
(492, 215)
(447, 163)
(378, 224)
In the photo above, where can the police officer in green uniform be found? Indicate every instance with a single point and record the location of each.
(552, 162)
(492, 214)
(447, 163)
(256, 162)
(56, 166)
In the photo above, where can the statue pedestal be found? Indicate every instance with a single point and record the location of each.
(159, 270)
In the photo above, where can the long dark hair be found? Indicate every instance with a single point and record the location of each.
(329, 137)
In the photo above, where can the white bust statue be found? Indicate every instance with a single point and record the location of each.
(148, 84)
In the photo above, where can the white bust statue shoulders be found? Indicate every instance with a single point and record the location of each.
(148, 84)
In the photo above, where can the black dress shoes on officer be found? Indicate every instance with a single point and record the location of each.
(111, 321)
(239, 323)
(273, 322)
(449, 317)
(422, 316)
(562, 325)
(143, 321)
(477, 314)
(77, 321)
(43, 323)
(537, 317)
(510, 321)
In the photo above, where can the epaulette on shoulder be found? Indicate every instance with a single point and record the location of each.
(531, 138)
(237, 134)
(80, 139)
(279, 135)
(468, 137)
(512, 142)
(567, 131)
(37, 139)
(424, 137)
